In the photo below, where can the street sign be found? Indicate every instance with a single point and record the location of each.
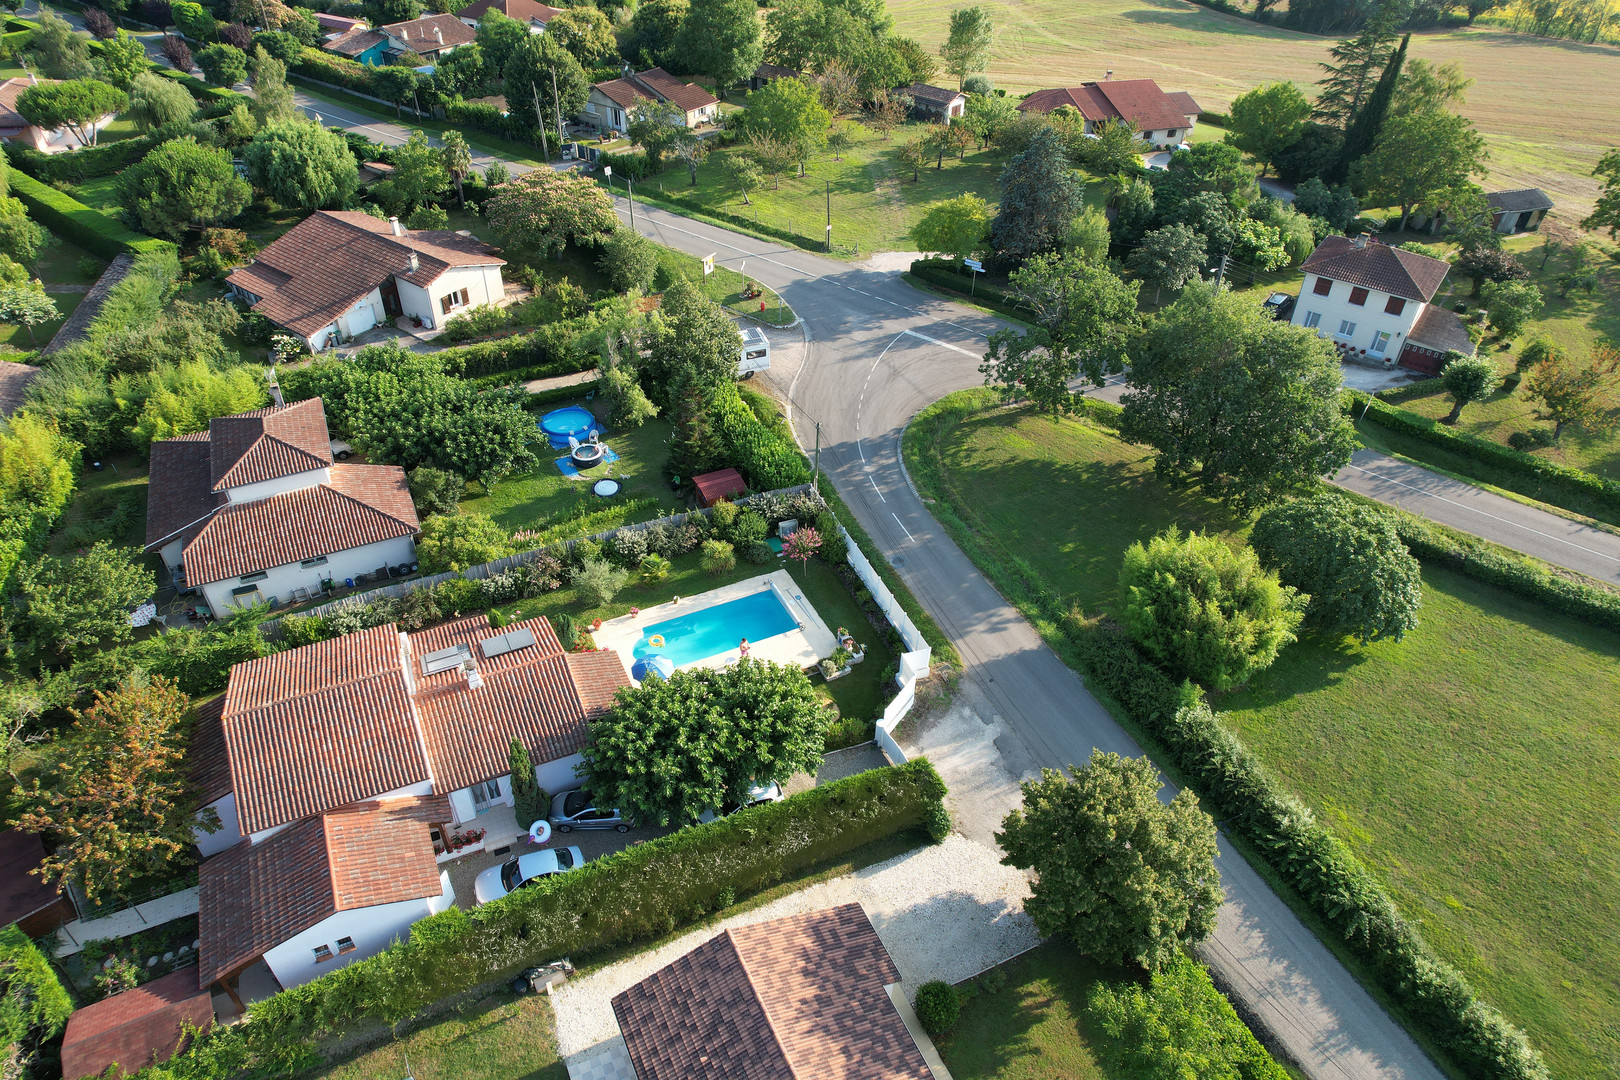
(974, 264)
(708, 265)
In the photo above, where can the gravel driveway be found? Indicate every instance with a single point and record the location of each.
(946, 911)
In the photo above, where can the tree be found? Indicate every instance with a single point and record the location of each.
(1467, 378)
(194, 21)
(180, 186)
(457, 161)
(1606, 214)
(488, 436)
(839, 89)
(654, 29)
(1125, 877)
(1039, 197)
(299, 163)
(790, 112)
(1335, 205)
(692, 151)
(912, 155)
(99, 23)
(721, 39)
(178, 53)
(539, 68)
(1361, 133)
(1426, 87)
(436, 491)
(498, 34)
(629, 260)
(223, 65)
(1351, 73)
(457, 541)
(1267, 120)
(68, 607)
(27, 305)
(60, 51)
(545, 211)
(889, 111)
(272, 97)
(419, 175)
(77, 105)
(20, 237)
(529, 801)
(1510, 305)
(119, 804)
(1575, 397)
(1171, 256)
(396, 84)
(155, 102)
(122, 58)
(1083, 313)
(1421, 157)
(696, 348)
(808, 35)
(986, 115)
(1248, 405)
(741, 171)
(1348, 558)
(655, 126)
(775, 158)
(918, 66)
(1206, 610)
(673, 749)
(383, 12)
(1212, 167)
(957, 227)
(586, 33)
(966, 48)
(181, 398)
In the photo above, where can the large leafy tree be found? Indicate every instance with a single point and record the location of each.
(123, 57)
(155, 102)
(586, 33)
(986, 115)
(75, 105)
(1573, 396)
(544, 211)
(811, 35)
(1267, 120)
(540, 70)
(673, 749)
(69, 607)
(694, 346)
(1421, 158)
(1348, 558)
(299, 163)
(1468, 379)
(1083, 314)
(656, 126)
(966, 48)
(456, 541)
(654, 29)
(272, 97)
(182, 185)
(1213, 167)
(1127, 878)
(1606, 214)
(60, 51)
(419, 175)
(1510, 305)
(1168, 258)
(119, 804)
(1247, 405)
(1040, 195)
(27, 305)
(790, 112)
(1424, 86)
(222, 64)
(721, 39)
(182, 398)
(1351, 72)
(959, 226)
(498, 35)
(1205, 609)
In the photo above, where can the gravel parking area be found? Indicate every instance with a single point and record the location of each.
(592, 843)
(947, 911)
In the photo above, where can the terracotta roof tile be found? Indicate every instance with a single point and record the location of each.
(22, 892)
(363, 504)
(179, 497)
(1440, 330)
(14, 380)
(10, 91)
(521, 10)
(799, 998)
(1378, 266)
(623, 92)
(355, 41)
(136, 1028)
(209, 759)
(268, 444)
(431, 33)
(1184, 102)
(684, 95)
(775, 71)
(1138, 100)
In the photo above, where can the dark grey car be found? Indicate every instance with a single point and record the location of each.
(572, 810)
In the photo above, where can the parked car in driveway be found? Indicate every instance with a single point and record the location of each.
(1280, 304)
(526, 869)
(759, 793)
(575, 809)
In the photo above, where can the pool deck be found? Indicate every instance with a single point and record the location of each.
(802, 648)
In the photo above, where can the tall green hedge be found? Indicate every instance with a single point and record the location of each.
(547, 351)
(70, 219)
(84, 163)
(635, 895)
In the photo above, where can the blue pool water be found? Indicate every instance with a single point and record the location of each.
(559, 424)
(717, 629)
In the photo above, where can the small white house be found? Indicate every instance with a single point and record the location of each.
(338, 273)
(610, 103)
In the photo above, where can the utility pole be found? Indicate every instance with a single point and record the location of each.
(815, 469)
(630, 187)
(1220, 272)
(556, 104)
(540, 120)
(829, 217)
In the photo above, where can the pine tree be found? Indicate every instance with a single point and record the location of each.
(1350, 73)
(1362, 131)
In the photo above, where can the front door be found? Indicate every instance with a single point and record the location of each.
(390, 298)
(487, 795)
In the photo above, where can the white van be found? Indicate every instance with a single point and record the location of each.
(755, 354)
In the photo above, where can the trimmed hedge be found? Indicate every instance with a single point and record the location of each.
(635, 895)
(1534, 477)
(84, 163)
(482, 116)
(200, 90)
(86, 226)
(941, 274)
(1421, 388)
(550, 350)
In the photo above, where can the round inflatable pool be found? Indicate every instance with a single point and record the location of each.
(560, 424)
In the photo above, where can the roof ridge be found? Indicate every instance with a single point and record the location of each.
(759, 999)
(358, 502)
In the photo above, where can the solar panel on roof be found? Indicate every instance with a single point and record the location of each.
(511, 641)
(445, 659)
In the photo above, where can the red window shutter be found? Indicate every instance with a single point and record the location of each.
(1323, 286)
(1395, 306)
(1358, 296)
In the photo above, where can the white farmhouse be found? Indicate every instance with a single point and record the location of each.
(254, 509)
(611, 103)
(338, 273)
(1373, 301)
(1161, 119)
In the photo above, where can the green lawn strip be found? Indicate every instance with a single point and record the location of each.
(1401, 747)
(480, 141)
(725, 287)
(100, 192)
(499, 1037)
(104, 501)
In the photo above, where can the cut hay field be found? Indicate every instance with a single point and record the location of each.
(1548, 108)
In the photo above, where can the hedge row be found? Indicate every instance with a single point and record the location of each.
(481, 116)
(86, 226)
(200, 90)
(337, 70)
(548, 351)
(942, 274)
(15, 41)
(1421, 388)
(635, 895)
(1344, 894)
(34, 1007)
(1524, 473)
(759, 443)
(84, 163)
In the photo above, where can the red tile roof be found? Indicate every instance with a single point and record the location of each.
(1184, 101)
(12, 122)
(210, 760)
(1441, 330)
(136, 1028)
(331, 260)
(267, 444)
(623, 92)
(1378, 266)
(720, 484)
(684, 95)
(799, 998)
(935, 94)
(253, 897)
(22, 892)
(180, 497)
(431, 33)
(363, 504)
(1138, 100)
(355, 41)
(521, 10)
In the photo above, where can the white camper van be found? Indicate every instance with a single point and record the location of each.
(755, 354)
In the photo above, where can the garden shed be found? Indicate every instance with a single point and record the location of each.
(720, 484)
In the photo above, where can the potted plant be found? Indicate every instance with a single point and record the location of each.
(836, 665)
(857, 651)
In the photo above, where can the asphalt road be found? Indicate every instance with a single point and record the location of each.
(878, 351)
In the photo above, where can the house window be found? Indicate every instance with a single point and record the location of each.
(345, 944)
(456, 299)
(1347, 328)
(1358, 296)
(1395, 306)
(319, 560)
(1323, 286)
(590, 108)
(257, 575)
(1380, 342)
(1313, 319)
(323, 953)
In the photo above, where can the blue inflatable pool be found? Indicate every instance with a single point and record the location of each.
(563, 423)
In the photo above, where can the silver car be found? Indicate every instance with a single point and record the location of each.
(513, 875)
(759, 793)
(575, 809)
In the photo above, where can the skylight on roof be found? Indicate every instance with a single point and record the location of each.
(511, 641)
(445, 659)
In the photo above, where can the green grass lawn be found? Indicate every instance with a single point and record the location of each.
(1470, 765)
(57, 264)
(502, 1037)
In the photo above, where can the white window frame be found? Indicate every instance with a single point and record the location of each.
(323, 953)
(1313, 320)
(1379, 348)
(1347, 329)
(310, 564)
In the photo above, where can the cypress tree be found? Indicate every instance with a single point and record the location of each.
(529, 801)
(1368, 121)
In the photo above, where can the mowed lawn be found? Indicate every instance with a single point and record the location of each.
(502, 1037)
(1549, 139)
(1471, 765)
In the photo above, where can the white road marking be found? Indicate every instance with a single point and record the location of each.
(876, 488)
(902, 525)
(941, 344)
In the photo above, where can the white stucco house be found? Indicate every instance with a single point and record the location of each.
(1373, 302)
(338, 273)
(610, 103)
(255, 509)
(408, 726)
(1161, 118)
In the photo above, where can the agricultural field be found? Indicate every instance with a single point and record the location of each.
(1548, 108)
(1465, 764)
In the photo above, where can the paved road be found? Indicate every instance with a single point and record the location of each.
(877, 352)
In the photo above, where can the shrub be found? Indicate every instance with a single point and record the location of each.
(567, 629)
(718, 557)
(34, 1007)
(436, 491)
(939, 1005)
(1206, 610)
(545, 574)
(298, 630)
(457, 541)
(654, 567)
(629, 547)
(834, 548)
(597, 582)
(723, 518)
(758, 553)
(72, 220)
(1535, 439)
(748, 528)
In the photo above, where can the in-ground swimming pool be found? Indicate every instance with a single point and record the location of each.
(718, 629)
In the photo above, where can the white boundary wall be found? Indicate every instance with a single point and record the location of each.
(913, 663)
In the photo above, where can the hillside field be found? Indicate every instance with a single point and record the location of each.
(1548, 108)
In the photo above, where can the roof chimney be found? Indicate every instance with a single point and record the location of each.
(474, 679)
(438, 34)
(414, 262)
(1108, 75)
(394, 224)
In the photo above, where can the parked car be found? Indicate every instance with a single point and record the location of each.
(760, 793)
(511, 876)
(341, 451)
(575, 809)
(1281, 305)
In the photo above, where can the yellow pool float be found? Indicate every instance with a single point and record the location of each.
(656, 641)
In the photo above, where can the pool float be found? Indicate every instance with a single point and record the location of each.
(656, 641)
